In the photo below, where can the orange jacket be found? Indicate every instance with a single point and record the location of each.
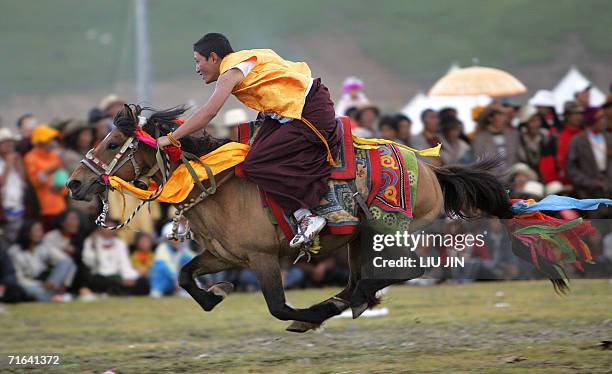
(37, 162)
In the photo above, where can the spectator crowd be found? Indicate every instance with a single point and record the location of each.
(51, 250)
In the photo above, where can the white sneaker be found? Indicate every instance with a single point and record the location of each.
(308, 228)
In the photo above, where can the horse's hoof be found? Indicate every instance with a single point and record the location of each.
(222, 289)
(358, 310)
(301, 327)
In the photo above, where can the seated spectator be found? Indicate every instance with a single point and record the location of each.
(107, 259)
(367, 118)
(170, 256)
(520, 174)
(532, 139)
(454, 149)
(142, 254)
(43, 271)
(404, 126)
(292, 277)
(46, 173)
(12, 186)
(325, 271)
(10, 291)
(388, 128)
(589, 162)
(67, 235)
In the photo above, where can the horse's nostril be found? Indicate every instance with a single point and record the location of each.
(73, 185)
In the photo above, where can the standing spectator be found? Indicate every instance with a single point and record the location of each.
(108, 261)
(573, 115)
(388, 128)
(111, 105)
(589, 161)
(583, 98)
(170, 256)
(454, 149)
(494, 137)
(404, 125)
(367, 118)
(45, 171)
(532, 139)
(544, 101)
(43, 271)
(12, 186)
(607, 107)
(78, 140)
(429, 137)
(352, 97)
(25, 125)
(142, 255)
(101, 124)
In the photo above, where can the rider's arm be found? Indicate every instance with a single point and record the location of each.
(225, 84)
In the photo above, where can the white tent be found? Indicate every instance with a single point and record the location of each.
(463, 104)
(574, 81)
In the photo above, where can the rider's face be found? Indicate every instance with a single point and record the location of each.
(207, 68)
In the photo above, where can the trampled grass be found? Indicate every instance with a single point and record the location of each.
(448, 328)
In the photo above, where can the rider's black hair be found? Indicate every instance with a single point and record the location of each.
(213, 42)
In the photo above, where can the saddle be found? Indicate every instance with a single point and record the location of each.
(385, 176)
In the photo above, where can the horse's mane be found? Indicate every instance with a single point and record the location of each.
(163, 122)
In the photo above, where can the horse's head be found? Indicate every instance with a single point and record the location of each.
(121, 153)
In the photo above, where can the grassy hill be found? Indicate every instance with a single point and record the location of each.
(62, 45)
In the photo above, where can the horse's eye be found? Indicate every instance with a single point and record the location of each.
(113, 146)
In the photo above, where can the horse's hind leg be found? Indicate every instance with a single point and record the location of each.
(340, 300)
(205, 263)
(267, 269)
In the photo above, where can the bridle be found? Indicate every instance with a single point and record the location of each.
(126, 154)
(130, 146)
(104, 171)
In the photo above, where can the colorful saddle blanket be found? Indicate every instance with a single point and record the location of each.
(386, 176)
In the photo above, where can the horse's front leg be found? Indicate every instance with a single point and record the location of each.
(267, 269)
(340, 300)
(205, 263)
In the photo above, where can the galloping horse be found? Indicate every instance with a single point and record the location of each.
(234, 230)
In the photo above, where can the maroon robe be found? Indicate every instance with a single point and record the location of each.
(288, 160)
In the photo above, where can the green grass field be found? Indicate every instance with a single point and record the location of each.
(442, 329)
(62, 45)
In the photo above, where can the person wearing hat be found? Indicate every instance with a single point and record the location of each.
(352, 96)
(111, 105)
(12, 185)
(544, 101)
(533, 138)
(229, 128)
(494, 137)
(367, 121)
(573, 115)
(44, 168)
(589, 163)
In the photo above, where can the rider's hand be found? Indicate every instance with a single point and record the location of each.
(163, 141)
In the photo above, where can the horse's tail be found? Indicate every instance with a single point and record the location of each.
(475, 187)
(467, 188)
